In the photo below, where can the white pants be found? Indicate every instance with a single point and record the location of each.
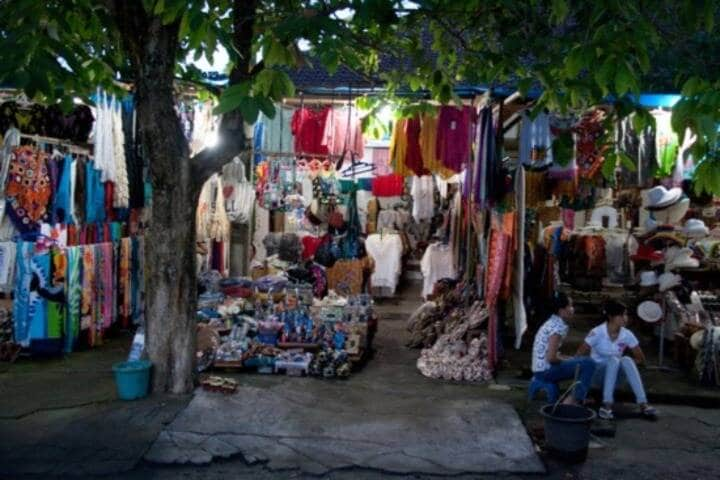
(615, 370)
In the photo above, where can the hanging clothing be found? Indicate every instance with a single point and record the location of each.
(437, 263)
(308, 128)
(428, 142)
(21, 297)
(7, 266)
(398, 149)
(423, 195)
(342, 135)
(277, 131)
(535, 141)
(28, 189)
(519, 270)
(453, 136)
(413, 155)
(11, 140)
(94, 194)
(386, 252)
(486, 176)
(61, 208)
(73, 289)
(590, 153)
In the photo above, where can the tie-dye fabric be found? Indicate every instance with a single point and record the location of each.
(40, 267)
(21, 304)
(73, 289)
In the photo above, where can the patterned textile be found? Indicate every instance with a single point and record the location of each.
(21, 304)
(590, 153)
(346, 277)
(28, 188)
(105, 284)
(87, 311)
(497, 261)
(124, 292)
(73, 289)
(40, 267)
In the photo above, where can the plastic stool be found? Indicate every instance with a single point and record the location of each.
(552, 391)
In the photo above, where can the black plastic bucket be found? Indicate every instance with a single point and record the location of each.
(567, 431)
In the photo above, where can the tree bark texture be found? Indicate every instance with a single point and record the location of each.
(171, 290)
(170, 262)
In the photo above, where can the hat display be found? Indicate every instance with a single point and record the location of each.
(649, 311)
(648, 278)
(696, 228)
(697, 338)
(682, 259)
(660, 197)
(648, 253)
(669, 280)
(674, 213)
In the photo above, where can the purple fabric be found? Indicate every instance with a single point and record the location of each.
(454, 128)
(488, 181)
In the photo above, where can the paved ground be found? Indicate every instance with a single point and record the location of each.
(59, 418)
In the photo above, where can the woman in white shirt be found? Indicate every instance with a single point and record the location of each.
(606, 344)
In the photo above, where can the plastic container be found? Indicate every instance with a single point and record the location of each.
(132, 379)
(567, 431)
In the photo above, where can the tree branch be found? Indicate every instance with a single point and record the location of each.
(232, 132)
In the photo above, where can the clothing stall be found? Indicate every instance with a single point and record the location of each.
(71, 243)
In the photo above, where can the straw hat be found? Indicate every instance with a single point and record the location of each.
(649, 311)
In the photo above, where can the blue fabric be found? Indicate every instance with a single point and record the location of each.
(258, 142)
(40, 266)
(565, 370)
(21, 303)
(62, 203)
(552, 392)
(94, 194)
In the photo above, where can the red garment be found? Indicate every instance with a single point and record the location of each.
(453, 136)
(413, 154)
(310, 246)
(109, 212)
(308, 128)
(388, 185)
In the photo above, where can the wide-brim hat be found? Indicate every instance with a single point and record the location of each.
(674, 213)
(669, 280)
(648, 278)
(696, 228)
(648, 253)
(660, 197)
(649, 311)
(683, 259)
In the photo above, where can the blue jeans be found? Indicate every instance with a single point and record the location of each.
(615, 371)
(565, 370)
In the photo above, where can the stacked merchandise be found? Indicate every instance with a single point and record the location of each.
(276, 326)
(456, 344)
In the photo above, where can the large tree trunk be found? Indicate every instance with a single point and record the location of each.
(170, 238)
(170, 300)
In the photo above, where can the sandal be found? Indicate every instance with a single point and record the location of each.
(605, 413)
(649, 412)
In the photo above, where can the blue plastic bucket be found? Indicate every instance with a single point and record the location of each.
(132, 379)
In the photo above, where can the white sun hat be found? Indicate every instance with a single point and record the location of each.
(649, 311)
(683, 259)
(660, 197)
(674, 213)
(648, 278)
(669, 280)
(695, 228)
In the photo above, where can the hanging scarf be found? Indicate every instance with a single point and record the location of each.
(73, 287)
(88, 314)
(28, 189)
(124, 292)
(21, 303)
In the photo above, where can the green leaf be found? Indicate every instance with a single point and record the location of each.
(249, 108)
(623, 79)
(266, 106)
(608, 167)
(627, 162)
(159, 7)
(559, 11)
(575, 62)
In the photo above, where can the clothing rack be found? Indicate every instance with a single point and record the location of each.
(72, 148)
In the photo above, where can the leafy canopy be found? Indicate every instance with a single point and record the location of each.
(574, 54)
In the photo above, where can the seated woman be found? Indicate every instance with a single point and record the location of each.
(548, 364)
(606, 344)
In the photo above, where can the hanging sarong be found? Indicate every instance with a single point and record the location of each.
(88, 319)
(40, 267)
(124, 291)
(73, 289)
(21, 303)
